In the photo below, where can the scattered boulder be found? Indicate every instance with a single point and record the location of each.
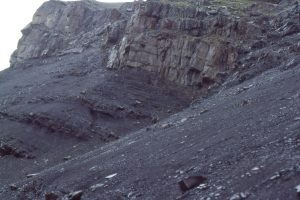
(276, 176)
(67, 157)
(9, 150)
(190, 183)
(13, 187)
(51, 196)
(166, 125)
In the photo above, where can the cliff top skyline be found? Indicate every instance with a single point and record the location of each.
(14, 16)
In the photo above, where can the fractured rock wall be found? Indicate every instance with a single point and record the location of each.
(191, 46)
(176, 43)
(60, 28)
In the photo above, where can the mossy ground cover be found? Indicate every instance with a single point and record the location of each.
(236, 6)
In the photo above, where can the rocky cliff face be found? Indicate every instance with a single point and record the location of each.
(60, 28)
(93, 97)
(193, 46)
(177, 43)
(190, 45)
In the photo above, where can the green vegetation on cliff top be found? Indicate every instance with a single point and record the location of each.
(236, 6)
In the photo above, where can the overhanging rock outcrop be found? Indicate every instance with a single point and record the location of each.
(60, 28)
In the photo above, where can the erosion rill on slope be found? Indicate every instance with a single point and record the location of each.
(98, 77)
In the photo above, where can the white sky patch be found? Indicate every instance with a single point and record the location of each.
(14, 16)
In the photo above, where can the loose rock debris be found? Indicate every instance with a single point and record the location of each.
(111, 176)
(94, 187)
(75, 195)
(239, 196)
(31, 175)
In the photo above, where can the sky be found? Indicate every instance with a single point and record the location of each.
(14, 16)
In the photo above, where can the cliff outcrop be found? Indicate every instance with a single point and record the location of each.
(192, 43)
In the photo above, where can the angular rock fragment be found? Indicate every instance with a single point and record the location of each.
(235, 197)
(67, 158)
(298, 190)
(183, 120)
(111, 176)
(239, 196)
(96, 186)
(13, 187)
(31, 175)
(75, 195)
(204, 111)
(190, 183)
(133, 195)
(276, 176)
(51, 196)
